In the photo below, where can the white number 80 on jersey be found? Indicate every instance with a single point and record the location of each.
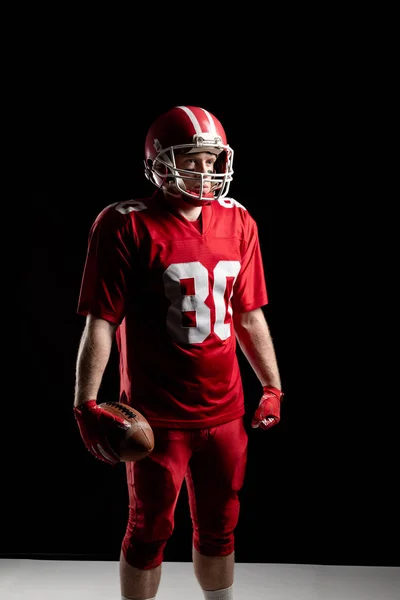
(196, 303)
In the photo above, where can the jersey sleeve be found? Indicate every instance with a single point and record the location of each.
(250, 291)
(108, 268)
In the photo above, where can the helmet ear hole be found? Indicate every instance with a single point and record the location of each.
(155, 171)
(160, 168)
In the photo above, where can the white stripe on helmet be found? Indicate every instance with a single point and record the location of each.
(194, 120)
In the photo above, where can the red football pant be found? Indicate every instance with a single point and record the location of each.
(212, 462)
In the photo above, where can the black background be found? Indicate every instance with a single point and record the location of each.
(320, 487)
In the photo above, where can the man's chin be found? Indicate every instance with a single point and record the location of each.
(196, 194)
(190, 198)
(195, 200)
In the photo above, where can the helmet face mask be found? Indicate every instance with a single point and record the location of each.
(188, 130)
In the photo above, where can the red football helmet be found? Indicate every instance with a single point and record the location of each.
(188, 129)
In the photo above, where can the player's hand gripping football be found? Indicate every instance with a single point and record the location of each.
(268, 412)
(94, 424)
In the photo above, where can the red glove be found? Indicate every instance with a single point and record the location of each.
(268, 412)
(94, 424)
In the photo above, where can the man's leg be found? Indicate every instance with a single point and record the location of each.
(154, 484)
(136, 583)
(215, 476)
(214, 572)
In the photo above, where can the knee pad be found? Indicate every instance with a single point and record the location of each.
(214, 545)
(143, 555)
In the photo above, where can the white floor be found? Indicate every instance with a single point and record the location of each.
(91, 580)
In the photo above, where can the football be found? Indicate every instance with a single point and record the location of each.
(137, 441)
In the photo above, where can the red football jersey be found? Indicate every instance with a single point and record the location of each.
(172, 289)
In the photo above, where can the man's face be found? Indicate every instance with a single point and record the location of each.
(199, 162)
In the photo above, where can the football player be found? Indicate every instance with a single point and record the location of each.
(178, 279)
